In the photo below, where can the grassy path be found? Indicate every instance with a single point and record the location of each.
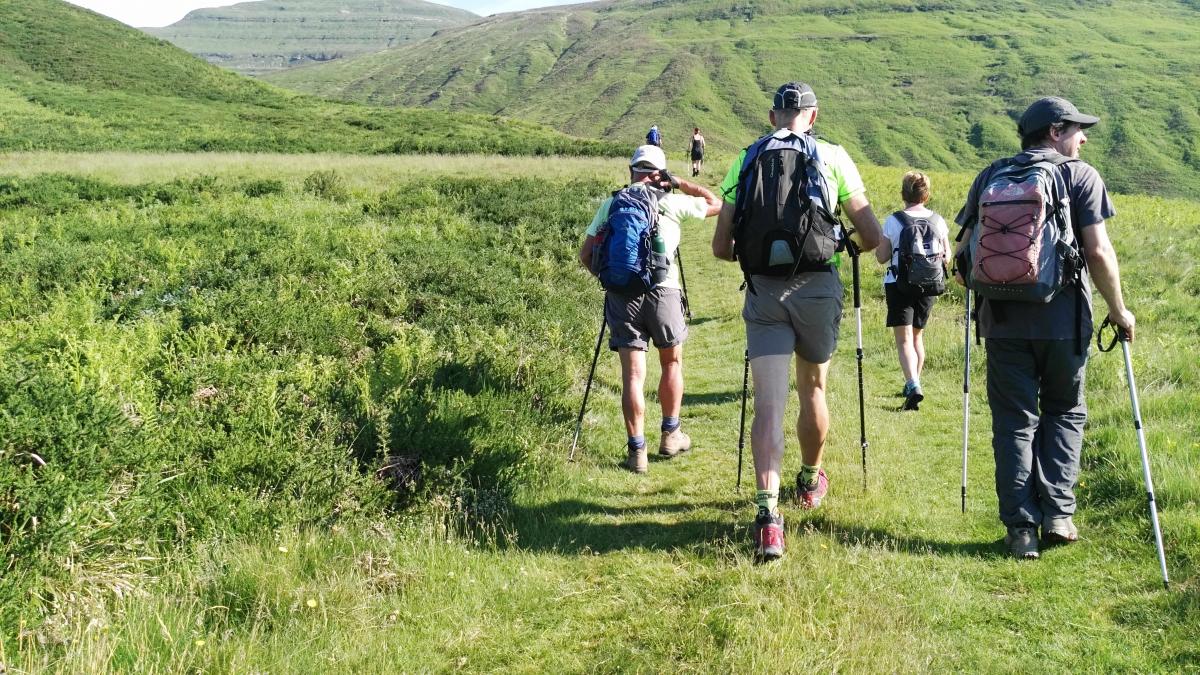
(600, 570)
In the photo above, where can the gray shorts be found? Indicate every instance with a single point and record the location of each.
(655, 316)
(801, 315)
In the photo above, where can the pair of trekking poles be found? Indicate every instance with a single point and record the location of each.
(853, 251)
(1119, 335)
(687, 310)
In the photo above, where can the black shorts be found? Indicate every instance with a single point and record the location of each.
(697, 155)
(906, 310)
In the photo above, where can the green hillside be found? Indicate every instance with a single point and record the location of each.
(934, 85)
(73, 80)
(257, 37)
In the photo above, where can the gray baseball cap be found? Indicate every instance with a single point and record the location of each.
(794, 96)
(1046, 111)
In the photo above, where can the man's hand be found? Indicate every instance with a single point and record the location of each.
(1124, 320)
(666, 181)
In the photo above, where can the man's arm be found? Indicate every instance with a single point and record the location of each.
(712, 204)
(1105, 273)
(585, 252)
(883, 253)
(722, 241)
(866, 226)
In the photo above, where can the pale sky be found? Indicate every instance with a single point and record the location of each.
(148, 13)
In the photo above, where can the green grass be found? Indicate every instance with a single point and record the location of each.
(933, 85)
(73, 80)
(259, 37)
(481, 344)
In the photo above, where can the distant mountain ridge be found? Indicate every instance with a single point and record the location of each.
(73, 80)
(932, 84)
(269, 35)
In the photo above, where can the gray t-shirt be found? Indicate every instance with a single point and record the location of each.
(1054, 320)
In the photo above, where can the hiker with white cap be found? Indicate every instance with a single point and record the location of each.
(630, 246)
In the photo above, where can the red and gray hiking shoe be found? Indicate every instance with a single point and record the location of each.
(810, 496)
(768, 536)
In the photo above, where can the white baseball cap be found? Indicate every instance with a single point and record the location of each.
(649, 155)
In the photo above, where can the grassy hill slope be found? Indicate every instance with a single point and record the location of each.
(934, 85)
(256, 37)
(73, 80)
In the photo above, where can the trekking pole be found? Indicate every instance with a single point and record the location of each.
(687, 306)
(853, 250)
(587, 389)
(966, 393)
(1123, 337)
(742, 433)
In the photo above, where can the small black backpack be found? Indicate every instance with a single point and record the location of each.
(920, 263)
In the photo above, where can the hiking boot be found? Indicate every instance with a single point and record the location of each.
(637, 461)
(768, 536)
(1022, 542)
(810, 496)
(913, 397)
(1059, 530)
(673, 443)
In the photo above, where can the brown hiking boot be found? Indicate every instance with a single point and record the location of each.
(637, 461)
(674, 442)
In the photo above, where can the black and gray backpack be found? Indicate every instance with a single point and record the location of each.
(920, 261)
(783, 219)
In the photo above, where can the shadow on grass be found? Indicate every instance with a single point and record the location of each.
(576, 526)
(573, 526)
(714, 398)
(857, 535)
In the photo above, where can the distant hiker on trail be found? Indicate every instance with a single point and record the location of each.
(653, 137)
(630, 246)
(793, 301)
(916, 243)
(697, 151)
(1035, 312)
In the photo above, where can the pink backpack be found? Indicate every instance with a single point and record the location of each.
(1023, 244)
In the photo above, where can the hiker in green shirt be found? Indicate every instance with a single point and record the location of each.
(796, 306)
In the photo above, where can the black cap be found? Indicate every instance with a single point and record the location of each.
(1046, 111)
(794, 96)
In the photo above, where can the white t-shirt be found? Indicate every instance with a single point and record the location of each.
(672, 208)
(892, 228)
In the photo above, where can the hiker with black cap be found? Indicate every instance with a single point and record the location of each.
(639, 227)
(1033, 235)
(782, 198)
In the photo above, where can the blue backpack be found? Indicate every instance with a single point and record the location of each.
(654, 138)
(628, 255)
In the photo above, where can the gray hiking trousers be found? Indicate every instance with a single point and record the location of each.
(1035, 392)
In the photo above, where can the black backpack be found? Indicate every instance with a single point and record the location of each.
(782, 220)
(920, 263)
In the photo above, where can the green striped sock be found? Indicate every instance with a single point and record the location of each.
(808, 475)
(767, 500)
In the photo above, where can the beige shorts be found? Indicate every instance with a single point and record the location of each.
(801, 315)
